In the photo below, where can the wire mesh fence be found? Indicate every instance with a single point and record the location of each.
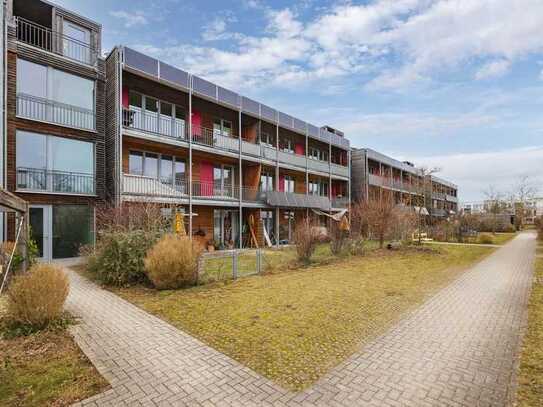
(230, 265)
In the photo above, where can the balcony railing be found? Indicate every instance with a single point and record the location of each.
(340, 170)
(152, 122)
(152, 187)
(61, 182)
(160, 125)
(36, 108)
(52, 41)
(340, 202)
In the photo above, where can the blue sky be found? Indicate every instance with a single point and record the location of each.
(451, 84)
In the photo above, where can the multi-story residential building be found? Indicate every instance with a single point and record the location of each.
(229, 163)
(373, 171)
(442, 199)
(54, 83)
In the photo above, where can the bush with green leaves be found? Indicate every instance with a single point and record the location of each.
(118, 258)
(485, 238)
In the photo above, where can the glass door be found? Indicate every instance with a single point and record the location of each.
(41, 229)
(76, 42)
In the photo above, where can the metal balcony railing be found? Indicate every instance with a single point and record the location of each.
(36, 108)
(152, 122)
(214, 138)
(52, 41)
(151, 187)
(62, 182)
(318, 165)
(340, 170)
(292, 159)
(340, 202)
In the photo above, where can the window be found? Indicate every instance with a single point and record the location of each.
(266, 139)
(223, 180)
(72, 228)
(135, 99)
(313, 188)
(289, 184)
(54, 164)
(55, 85)
(150, 165)
(287, 146)
(151, 104)
(135, 163)
(266, 182)
(164, 167)
(222, 127)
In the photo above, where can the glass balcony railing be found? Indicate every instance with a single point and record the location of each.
(52, 41)
(36, 108)
(61, 182)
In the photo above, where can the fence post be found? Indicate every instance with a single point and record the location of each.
(258, 261)
(235, 265)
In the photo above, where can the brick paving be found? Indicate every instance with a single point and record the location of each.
(457, 349)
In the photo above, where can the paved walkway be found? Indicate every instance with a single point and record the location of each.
(457, 349)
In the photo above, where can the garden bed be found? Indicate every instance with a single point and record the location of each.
(292, 326)
(44, 368)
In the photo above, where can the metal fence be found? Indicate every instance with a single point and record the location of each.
(230, 265)
(36, 108)
(35, 179)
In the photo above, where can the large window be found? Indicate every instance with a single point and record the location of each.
(50, 83)
(47, 94)
(54, 164)
(223, 180)
(168, 169)
(72, 229)
(289, 184)
(156, 116)
(266, 182)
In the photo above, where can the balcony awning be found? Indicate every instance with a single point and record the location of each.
(291, 200)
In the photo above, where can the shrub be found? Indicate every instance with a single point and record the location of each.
(37, 297)
(306, 238)
(485, 238)
(173, 262)
(119, 257)
(338, 238)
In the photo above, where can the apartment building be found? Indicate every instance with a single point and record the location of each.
(232, 166)
(442, 199)
(53, 143)
(373, 172)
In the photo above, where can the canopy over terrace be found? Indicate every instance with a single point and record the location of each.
(11, 203)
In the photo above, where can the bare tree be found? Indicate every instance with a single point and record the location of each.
(495, 205)
(522, 192)
(424, 189)
(379, 213)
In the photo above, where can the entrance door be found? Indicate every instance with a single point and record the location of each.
(76, 42)
(41, 228)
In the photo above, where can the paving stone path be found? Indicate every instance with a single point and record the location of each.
(457, 349)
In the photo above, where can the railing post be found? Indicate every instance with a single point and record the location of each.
(258, 261)
(235, 264)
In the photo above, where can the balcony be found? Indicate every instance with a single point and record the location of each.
(438, 195)
(56, 182)
(440, 213)
(176, 129)
(149, 187)
(45, 110)
(452, 198)
(44, 38)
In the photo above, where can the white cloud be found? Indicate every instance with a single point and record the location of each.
(130, 18)
(392, 43)
(412, 124)
(493, 69)
(474, 172)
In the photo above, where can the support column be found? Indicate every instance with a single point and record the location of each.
(190, 157)
(240, 184)
(277, 183)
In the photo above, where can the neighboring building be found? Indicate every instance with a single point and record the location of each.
(373, 171)
(54, 143)
(443, 198)
(222, 159)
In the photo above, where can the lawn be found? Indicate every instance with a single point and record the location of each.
(530, 377)
(292, 326)
(45, 368)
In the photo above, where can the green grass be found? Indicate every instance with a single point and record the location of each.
(530, 377)
(45, 368)
(293, 326)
